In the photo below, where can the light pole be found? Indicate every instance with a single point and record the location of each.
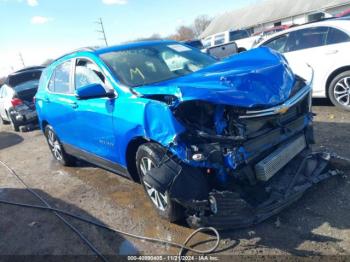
(102, 31)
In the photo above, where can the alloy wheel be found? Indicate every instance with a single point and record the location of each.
(342, 91)
(159, 199)
(54, 145)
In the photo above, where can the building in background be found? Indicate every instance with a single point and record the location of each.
(268, 14)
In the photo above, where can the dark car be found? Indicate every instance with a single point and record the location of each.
(16, 97)
(195, 43)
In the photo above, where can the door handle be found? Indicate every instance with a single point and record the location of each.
(74, 105)
(46, 100)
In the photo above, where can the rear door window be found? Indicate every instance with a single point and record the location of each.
(336, 36)
(307, 38)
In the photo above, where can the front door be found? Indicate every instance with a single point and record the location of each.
(94, 117)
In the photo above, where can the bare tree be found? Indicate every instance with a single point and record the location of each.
(184, 33)
(200, 24)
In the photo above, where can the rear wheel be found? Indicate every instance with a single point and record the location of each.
(339, 91)
(56, 148)
(150, 156)
(14, 125)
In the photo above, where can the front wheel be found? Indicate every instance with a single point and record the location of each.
(150, 156)
(57, 149)
(339, 91)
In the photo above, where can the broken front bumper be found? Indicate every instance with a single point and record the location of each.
(237, 209)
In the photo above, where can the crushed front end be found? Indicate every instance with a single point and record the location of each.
(235, 167)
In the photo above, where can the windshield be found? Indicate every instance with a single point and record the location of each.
(22, 77)
(156, 63)
(27, 85)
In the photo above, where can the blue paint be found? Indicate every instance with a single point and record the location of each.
(106, 127)
(259, 77)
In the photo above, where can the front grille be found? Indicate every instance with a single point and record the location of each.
(268, 167)
(259, 126)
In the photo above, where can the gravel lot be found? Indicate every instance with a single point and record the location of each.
(319, 224)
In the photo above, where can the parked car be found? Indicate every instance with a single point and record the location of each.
(268, 32)
(222, 143)
(325, 47)
(345, 13)
(195, 43)
(16, 97)
(222, 51)
(242, 38)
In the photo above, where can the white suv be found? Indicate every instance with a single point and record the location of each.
(325, 46)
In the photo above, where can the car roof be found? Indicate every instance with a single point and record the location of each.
(99, 51)
(29, 68)
(132, 45)
(26, 70)
(338, 23)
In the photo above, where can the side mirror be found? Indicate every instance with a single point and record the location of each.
(93, 91)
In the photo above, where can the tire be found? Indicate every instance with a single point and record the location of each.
(57, 149)
(15, 126)
(153, 152)
(339, 91)
(241, 49)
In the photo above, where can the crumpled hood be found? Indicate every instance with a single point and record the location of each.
(260, 77)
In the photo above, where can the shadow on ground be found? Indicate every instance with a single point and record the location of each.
(9, 139)
(36, 232)
(322, 102)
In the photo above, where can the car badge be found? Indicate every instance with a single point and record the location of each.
(282, 110)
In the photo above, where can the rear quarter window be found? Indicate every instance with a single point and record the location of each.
(336, 36)
(60, 80)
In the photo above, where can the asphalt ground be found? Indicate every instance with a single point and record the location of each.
(318, 224)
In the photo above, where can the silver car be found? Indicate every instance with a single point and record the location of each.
(16, 97)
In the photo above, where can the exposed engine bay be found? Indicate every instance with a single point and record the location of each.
(235, 167)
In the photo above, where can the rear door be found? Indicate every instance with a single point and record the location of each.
(60, 103)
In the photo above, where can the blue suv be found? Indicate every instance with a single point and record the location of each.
(215, 142)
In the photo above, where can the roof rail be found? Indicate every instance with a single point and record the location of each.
(82, 49)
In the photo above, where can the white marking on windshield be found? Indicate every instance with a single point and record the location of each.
(179, 48)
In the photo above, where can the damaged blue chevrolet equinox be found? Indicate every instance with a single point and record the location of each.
(221, 143)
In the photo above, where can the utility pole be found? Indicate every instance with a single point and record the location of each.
(102, 31)
(21, 58)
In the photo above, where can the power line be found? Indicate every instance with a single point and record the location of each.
(21, 58)
(102, 31)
